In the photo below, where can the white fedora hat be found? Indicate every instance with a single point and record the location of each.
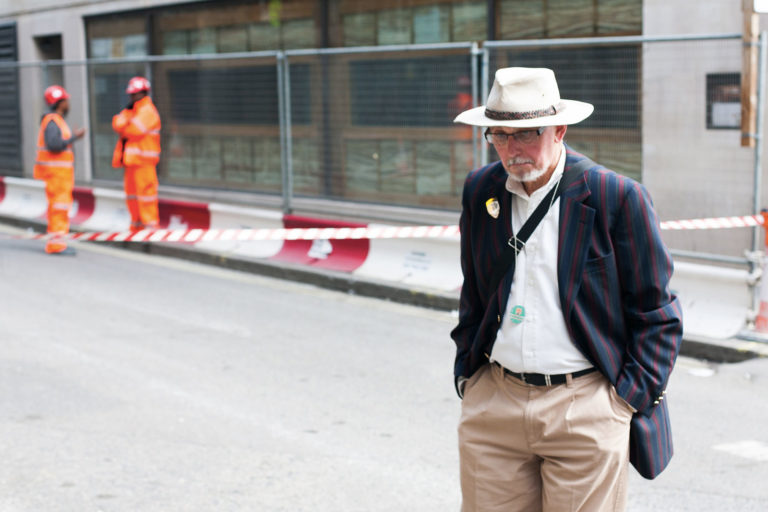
(525, 98)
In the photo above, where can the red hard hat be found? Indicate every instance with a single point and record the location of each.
(55, 94)
(137, 84)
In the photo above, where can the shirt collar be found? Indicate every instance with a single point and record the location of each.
(517, 189)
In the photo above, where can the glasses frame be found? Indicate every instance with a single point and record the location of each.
(489, 136)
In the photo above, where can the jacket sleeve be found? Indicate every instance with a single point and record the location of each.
(139, 123)
(121, 121)
(471, 309)
(53, 140)
(652, 313)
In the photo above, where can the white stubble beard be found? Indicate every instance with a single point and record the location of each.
(534, 175)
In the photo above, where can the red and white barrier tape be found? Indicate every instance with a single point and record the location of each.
(746, 221)
(245, 235)
(345, 233)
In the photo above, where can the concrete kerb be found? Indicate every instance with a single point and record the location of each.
(718, 351)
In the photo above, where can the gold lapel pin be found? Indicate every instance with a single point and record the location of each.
(492, 205)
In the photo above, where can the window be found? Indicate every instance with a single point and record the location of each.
(113, 36)
(724, 101)
(437, 23)
(225, 27)
(533, 19)
(392, 92)
(235, 95)
(606, 76)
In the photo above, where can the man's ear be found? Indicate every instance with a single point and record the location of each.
(560, 132)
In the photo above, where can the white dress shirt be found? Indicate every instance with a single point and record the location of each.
(536, 341)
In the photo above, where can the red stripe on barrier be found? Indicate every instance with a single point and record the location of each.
(184, 215)
(341, 255)
(85, 204)
(2, 189)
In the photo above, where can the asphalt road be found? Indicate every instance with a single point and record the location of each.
(137, 383)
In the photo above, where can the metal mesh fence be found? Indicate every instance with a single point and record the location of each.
(378, 127)
(610, 77)
(375, 124)
(372, 126)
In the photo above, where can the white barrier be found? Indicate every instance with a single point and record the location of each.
(109, 211)
(24, 198)
(226, 216)
(716, 301)
(431, 263)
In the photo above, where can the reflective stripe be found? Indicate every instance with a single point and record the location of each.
(60, 206)
(147, 198)
(137, 151)
(139, 124)
(60, 163)
(136, 121)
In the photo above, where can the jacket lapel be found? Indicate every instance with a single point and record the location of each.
(576, 221)
(503, 228)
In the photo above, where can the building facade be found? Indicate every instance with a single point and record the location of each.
(370, 117)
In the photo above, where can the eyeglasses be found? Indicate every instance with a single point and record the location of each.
(523, 136)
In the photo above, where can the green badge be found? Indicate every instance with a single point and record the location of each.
(517, 315)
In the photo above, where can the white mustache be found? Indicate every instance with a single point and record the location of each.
(519, 161)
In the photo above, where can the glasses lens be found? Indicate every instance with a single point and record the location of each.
(496, 138)
(526, 136)
(523, 137)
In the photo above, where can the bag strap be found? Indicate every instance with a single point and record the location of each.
(515, 244)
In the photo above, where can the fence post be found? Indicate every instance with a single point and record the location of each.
(484, 71)
(474, 55)
(284, 115)
(758, 160)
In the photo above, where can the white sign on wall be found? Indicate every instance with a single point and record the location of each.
(760, 6)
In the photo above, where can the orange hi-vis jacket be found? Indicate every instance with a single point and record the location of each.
(52, 161)
(139, 132)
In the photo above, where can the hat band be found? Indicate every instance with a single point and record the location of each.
(497, 115)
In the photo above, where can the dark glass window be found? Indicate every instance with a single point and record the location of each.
(236, 95)
(607, 77)
(724, 101)
(406, 92)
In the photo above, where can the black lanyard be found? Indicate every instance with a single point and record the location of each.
(506, 261)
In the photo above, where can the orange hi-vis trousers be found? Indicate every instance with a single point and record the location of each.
(141, 196)
(59, 185)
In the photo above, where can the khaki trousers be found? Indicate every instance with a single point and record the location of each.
(537, 448)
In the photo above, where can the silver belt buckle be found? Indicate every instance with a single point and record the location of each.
(547, 380)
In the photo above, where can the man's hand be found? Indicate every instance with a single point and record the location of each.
(79, 132)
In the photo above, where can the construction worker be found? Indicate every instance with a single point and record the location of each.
(55, 164)
(138, 151)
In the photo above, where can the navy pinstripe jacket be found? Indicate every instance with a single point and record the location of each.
(613, 275)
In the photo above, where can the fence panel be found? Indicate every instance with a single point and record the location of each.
(378, 127)
(666, 114)
(374, 125)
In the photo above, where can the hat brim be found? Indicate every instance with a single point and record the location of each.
(568, 112)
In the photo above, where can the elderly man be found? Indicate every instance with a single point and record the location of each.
(567, 329)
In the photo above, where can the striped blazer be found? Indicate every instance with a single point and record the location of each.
(613, 275)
